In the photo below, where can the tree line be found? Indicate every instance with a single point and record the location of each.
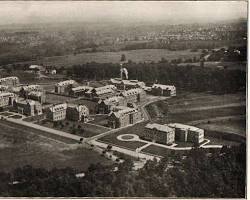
(214, 174)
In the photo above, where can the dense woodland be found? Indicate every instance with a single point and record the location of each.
(218, 173)
(185, 77)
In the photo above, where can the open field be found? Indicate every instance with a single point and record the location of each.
(54, 99)
(21, 147)
(100, 120)
(156, 150)
(229, 126)
(114, 57)
(78, 128)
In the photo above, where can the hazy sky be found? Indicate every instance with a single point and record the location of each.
(60, 11)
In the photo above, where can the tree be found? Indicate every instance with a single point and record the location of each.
(123, 57)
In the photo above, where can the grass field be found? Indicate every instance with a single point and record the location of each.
(54, 99)
(229, 126)
(81, 129)
(114, 57)
(156, 150)
(23, 147)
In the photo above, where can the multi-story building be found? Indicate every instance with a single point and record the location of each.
(10, 81)
(122, 116)
(27, 107)
(64, 86)
(4, 88)
(186, 133)
(104, 105)
(37, 96)
(25, 90)
(127, 84)
(163, 90)
(101, 92)
(77, 113)
(159, 133)
(57, 112)
(79, 91)
(134, 95)
(7, 99)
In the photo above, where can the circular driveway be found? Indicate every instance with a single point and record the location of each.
(128, 137)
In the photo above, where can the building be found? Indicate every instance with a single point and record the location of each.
(7, 99)
(25, 90)
(101, 92)
(64, 86)
(134, 95)
(4, 88)
(159, 133)
(127, 84)
(27, 107)
(122, 116)
(9, 81)
(77, 113)
(186, 133)
(163, 90)
(79, 91)
(37, 96)
(105, 105)
(57, 112)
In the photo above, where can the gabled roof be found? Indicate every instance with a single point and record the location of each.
(9, 78)
(184, 127)
(131, 92)
(82, 88)
(122, 110)
(35, 93)
(79, 108)
(6, 94)
(67, 82)
(159, 127)
(58, 107)
(164, 87)
(111, 100)
(31, 87)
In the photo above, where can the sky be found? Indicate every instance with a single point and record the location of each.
(123, 11)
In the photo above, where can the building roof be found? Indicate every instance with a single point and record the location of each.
(67, 82)
(164, 87)
(6, 94)
(111, 100)
(159, 127)
(9, 78)
(79, 108)
(26, 101)
(103, 90)
(31, 87)
(58, 107)
(134, 91)
(115, 80)
(184, 127)
(122, 110)
(81, 88)
(35, 93)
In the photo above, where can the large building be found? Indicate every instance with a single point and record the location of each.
(37, 96)
(79, 91)
(10, 81)
(7, 99)
(25, 90)
(77, 113)
(127, 84)
(64, 86)
(57, 112)
(134, 95)
(105, 105)
(163, 90)
(27, 107)
(101, 92)
(186, 133)
(122, 116)
(159, 133)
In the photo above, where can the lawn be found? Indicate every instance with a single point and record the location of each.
(21, 147)
(55, 99)
(78, 128)
(156, 150)
(100, 120)
(229, 126)
(140, 55)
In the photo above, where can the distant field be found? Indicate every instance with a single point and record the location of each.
(23, 147)
(114, 57)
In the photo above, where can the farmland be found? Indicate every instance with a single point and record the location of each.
(25, 147)
(114, 57)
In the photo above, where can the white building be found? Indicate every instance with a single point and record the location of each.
(163, 90)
